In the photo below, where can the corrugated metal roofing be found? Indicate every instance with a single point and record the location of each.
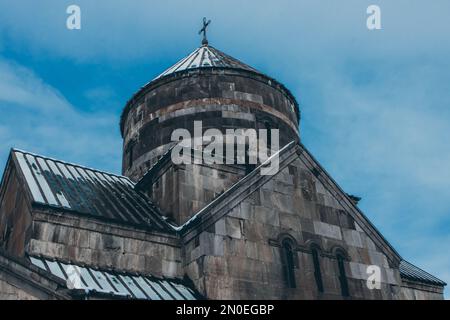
(206, 57)
(67, 186)
(115, 283)
(411, 272)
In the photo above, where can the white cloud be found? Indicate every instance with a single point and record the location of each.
(20, 86)
(36, 117)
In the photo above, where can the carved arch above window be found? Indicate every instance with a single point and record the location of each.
(316, 253)
(339, 251)
(341, 257)
(289, 258)
(289, 237)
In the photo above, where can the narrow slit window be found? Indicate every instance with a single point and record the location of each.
(288, 263)
(342, 276)
(317, 271)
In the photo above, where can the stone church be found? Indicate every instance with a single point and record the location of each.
(162, 231)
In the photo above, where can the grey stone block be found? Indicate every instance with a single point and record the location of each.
(290, 221)
(266, 216)
(327, 230)
(234, 227)
(352, 238)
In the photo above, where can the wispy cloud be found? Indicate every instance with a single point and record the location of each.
(36, 117)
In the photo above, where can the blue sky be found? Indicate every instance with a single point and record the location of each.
(375, 104)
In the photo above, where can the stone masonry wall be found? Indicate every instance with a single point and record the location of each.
(417, 291)
(183, 190)
(15, 217)
(105, 245)
(240, 257)
(19, 280)
(8, 291)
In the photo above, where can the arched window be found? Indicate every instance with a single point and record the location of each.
(288, 262)
(342, 276)
(317, 271)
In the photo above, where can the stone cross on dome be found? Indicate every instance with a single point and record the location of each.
(203, 30)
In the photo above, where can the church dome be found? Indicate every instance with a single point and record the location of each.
(209, 86)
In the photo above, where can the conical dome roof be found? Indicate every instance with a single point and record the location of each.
(206, 57)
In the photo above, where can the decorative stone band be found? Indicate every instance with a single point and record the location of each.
(230, 108)
(139, 96)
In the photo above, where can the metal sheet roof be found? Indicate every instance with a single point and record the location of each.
(119, 284)
(411, 272)
(206, 57)
(72, 187)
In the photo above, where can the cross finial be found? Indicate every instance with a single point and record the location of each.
(203, 30)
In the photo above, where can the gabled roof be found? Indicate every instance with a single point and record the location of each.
(411, 272)
(70, 187)
(251, 182)
(206, 57)
(92, 281)
(247, 185)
